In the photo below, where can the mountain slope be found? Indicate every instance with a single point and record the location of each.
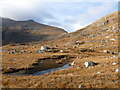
(28, 31)
(100, 34)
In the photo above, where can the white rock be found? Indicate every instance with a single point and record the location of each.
(112, 39)
(43, 48)
(33, 46)
(66, 48)
(105, 51)
(107, 36)
(89, 64)
(117, 70)
(73, 63)
(98, 72)
(61, 51)
(81, 86)
(114, 56)
(114, 63)
(70, 74)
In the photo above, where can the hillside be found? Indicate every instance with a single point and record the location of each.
(89, 57)
(27, 31)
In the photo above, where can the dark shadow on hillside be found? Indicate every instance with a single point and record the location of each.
(13, 36)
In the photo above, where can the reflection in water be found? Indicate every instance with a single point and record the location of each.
(49, 70)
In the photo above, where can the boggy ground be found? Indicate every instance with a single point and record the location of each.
(102, 75)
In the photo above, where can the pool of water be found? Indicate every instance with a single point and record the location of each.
(2, 50)
(44, 71)
(50, 70)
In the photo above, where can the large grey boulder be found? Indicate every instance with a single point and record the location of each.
(43, 48)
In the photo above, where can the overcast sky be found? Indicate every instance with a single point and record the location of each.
(66, 14)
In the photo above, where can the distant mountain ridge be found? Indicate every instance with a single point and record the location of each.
(27, 31)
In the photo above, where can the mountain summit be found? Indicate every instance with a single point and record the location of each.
(27, 31)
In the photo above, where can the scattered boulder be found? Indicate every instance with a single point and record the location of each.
(106, 51)
(114, 56)
(98, 72)
(79, 43)
(33, 46)
(107, 36)
(81, 86)
(78, 67)
(112, 53)
(89, 64)
(43, 48)
(12, 52)
(112, 39)
(74, 46)
(73, 63)
(62, 51)
(114, 63)
(117, 70)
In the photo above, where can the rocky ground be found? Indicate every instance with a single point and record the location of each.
(92, 52)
